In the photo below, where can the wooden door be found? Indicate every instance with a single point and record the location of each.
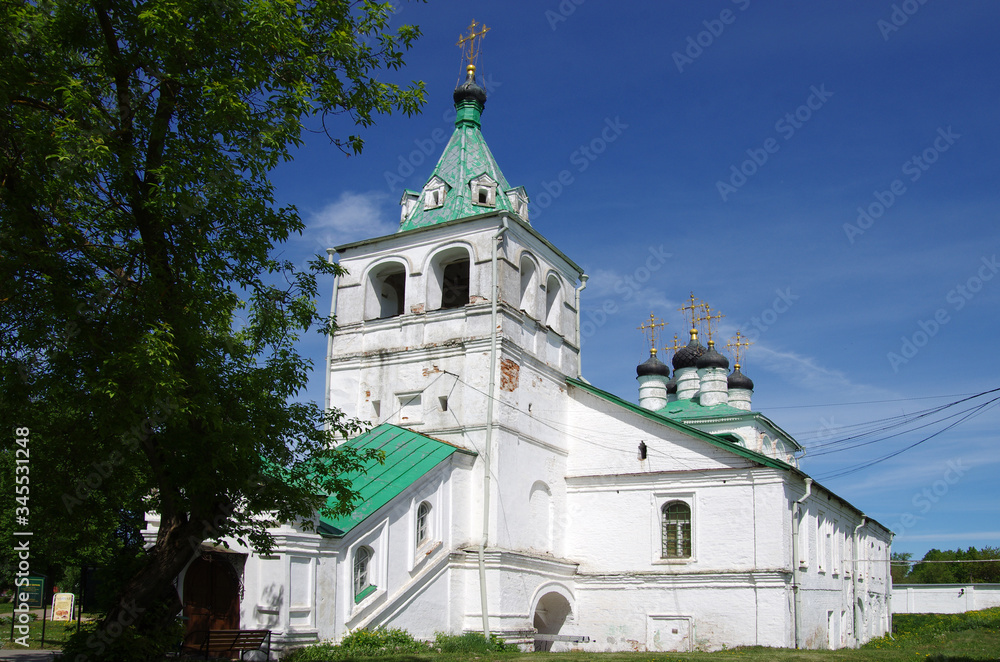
(211, 597)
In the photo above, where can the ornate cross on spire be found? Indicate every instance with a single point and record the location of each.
(738, 346)
(689, 311)
(651, 331)
(471, 43)
(707, 317)
(670, 350)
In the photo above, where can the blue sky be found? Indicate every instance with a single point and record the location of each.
(736, 141)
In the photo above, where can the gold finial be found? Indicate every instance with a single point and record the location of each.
(651, 332)
(738, 346)
(470, 45)
(707, 317)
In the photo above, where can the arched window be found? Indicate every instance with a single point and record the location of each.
(362, 573)
(387, 291)
(423, 523)
(528, 285)
(448, 284)
(455, 284)
(553, 302)
(676, 534)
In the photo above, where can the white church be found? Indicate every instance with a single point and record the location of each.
(518, 498)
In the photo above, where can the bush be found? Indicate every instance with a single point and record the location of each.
(127, 644)
(362, 643)
(471, 642)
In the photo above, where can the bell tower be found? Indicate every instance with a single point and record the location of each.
(465, 278)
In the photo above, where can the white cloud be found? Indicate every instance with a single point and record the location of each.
(351, 217)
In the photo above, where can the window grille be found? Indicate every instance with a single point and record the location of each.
(423, 522)
(362, 560)
(676, 534)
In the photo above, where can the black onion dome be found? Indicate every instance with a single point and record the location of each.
(687, 356)
(652, 366)
(712, 359)
(672, 387)
(469, 90)
(739, 380)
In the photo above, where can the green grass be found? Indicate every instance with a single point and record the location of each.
(966, 637)
(56, 632)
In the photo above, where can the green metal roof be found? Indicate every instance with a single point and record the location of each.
(681, 427)
(465, 157)
(689, 409)
(409, 456)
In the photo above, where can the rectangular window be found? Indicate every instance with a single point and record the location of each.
(838, 547)
(410, 411)
(805, 530)
(822, 542)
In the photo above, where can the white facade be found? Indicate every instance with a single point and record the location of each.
(586, 515)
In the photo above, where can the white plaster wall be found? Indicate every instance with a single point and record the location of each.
(944, 598)
(722, 610)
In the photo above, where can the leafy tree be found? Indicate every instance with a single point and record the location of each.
(962, 568)
(899, 567)
(147, 327)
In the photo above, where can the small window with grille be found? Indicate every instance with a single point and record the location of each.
(423, 523)
(676, 532)
(362, 574)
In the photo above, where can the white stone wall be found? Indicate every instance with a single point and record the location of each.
(944, 598)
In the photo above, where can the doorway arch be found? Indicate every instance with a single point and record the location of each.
(211, 597)
(551, 612)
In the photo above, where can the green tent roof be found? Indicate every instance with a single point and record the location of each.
(409, 456)
(465, 157)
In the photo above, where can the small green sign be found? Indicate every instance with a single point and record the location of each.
(35, 590)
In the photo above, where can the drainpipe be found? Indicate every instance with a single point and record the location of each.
(796, 571)
(579, 341)
(854, 582)
(497, 238)
(329, 339)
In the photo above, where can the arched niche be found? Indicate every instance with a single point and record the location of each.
(449, 278)
(529, 284)
(386, 290)
(553, 302)
(540, 517)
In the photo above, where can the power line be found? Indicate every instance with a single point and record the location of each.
(869, 402)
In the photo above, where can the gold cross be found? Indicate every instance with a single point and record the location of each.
(691, 307)
(670, 350)
(651, 328)
(738, 346)
(471, 43)
(708, 317)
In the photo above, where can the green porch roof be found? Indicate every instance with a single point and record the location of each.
(409, 456)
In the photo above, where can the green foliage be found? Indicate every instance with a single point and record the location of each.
(125, 644)
(898, 567)
(471, 642)
(148, 328)
(967, 571)
(362, 643)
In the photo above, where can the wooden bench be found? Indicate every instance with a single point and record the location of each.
(218, 642)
